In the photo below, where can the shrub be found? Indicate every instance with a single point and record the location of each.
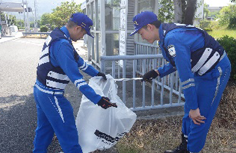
(53, 27)
(229, 44)
(43, 28)
(206, 25)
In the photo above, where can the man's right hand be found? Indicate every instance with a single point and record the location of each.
(150, 75)
(105, 103)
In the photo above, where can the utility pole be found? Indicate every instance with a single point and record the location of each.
(24, 13)
(35, 16)
(28, 26)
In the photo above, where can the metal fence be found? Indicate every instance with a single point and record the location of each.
(127, 70)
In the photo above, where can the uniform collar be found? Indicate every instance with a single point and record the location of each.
(66, 32)
(161, 33)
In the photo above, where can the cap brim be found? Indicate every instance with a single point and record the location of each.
(88, 33)
(134, 32)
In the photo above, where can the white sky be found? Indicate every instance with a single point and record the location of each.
(213, 3)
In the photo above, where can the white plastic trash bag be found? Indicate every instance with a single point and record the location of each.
(100, 128)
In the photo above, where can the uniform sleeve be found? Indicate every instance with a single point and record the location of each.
(182, 57)
(65, 58)
(166, 69)
(89, 69)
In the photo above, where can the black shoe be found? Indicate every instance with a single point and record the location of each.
(182, 148)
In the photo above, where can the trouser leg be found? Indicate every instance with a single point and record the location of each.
(44, 131)
(209, 91)
(59, 113)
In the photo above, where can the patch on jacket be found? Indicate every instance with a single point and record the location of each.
(171, 50)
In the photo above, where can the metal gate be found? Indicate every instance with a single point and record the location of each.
(127, 70)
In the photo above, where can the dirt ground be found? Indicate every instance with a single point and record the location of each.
(157, 135)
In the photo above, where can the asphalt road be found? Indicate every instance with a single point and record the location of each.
(18, 120)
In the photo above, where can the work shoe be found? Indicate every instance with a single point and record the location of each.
(182, 148)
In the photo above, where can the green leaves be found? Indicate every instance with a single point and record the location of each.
(229, 44)
(61, 14)
(228, 16)
(165, 13)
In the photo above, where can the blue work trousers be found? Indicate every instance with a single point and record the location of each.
(209, 88)
(54, 114)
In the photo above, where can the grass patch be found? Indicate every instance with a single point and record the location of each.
(222, 32)
(155, 136)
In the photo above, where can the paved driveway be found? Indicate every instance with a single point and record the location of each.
(18, 61)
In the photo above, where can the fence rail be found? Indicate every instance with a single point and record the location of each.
(35, 33)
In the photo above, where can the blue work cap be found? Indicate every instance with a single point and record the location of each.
(82, 20)
(143, 19)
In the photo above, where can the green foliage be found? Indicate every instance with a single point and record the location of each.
(205, 24)
(214, 14)
(165, 13)
(206, 11)
(53, 27)
(61, 14)
(20, 23)
(45, 19)
(221, 32)
(228, 16)
(12, 19)
(43, 28)
(229, 44)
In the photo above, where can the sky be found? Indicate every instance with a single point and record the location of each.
(214, 3)
(46, 6)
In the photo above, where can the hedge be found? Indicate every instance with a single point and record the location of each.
(229, 44)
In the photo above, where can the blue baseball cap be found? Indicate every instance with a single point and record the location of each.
(143, 19)
(84, 21)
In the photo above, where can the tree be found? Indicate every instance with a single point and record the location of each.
(206, 11)
(165, 13)
(12, 20)
(228, 16)
(20, 23)
(61, 14)
(181, 11)
(45, 19)
(184, 11)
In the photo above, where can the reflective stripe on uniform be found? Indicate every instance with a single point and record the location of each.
(56, 85)
(59, 109)
(58, 76)
(188, 83)
(84, 66)
(44, 60)
(202, 60)
(209, 63)
(47, 91)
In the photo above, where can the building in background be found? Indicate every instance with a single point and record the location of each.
(113, 25)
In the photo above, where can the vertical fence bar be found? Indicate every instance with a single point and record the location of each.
(124, 82)
(171, 88)
(162, 86)
(103, 66)
(113, 69)
(134, 82)
(153, 83)
(118, 72)
(143, 72)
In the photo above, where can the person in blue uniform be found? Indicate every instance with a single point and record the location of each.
(203, 67)
(59, 63)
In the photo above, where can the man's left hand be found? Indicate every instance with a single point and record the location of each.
(196, 116)
(103, 75)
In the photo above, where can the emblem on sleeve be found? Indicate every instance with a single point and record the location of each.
(171, 50)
